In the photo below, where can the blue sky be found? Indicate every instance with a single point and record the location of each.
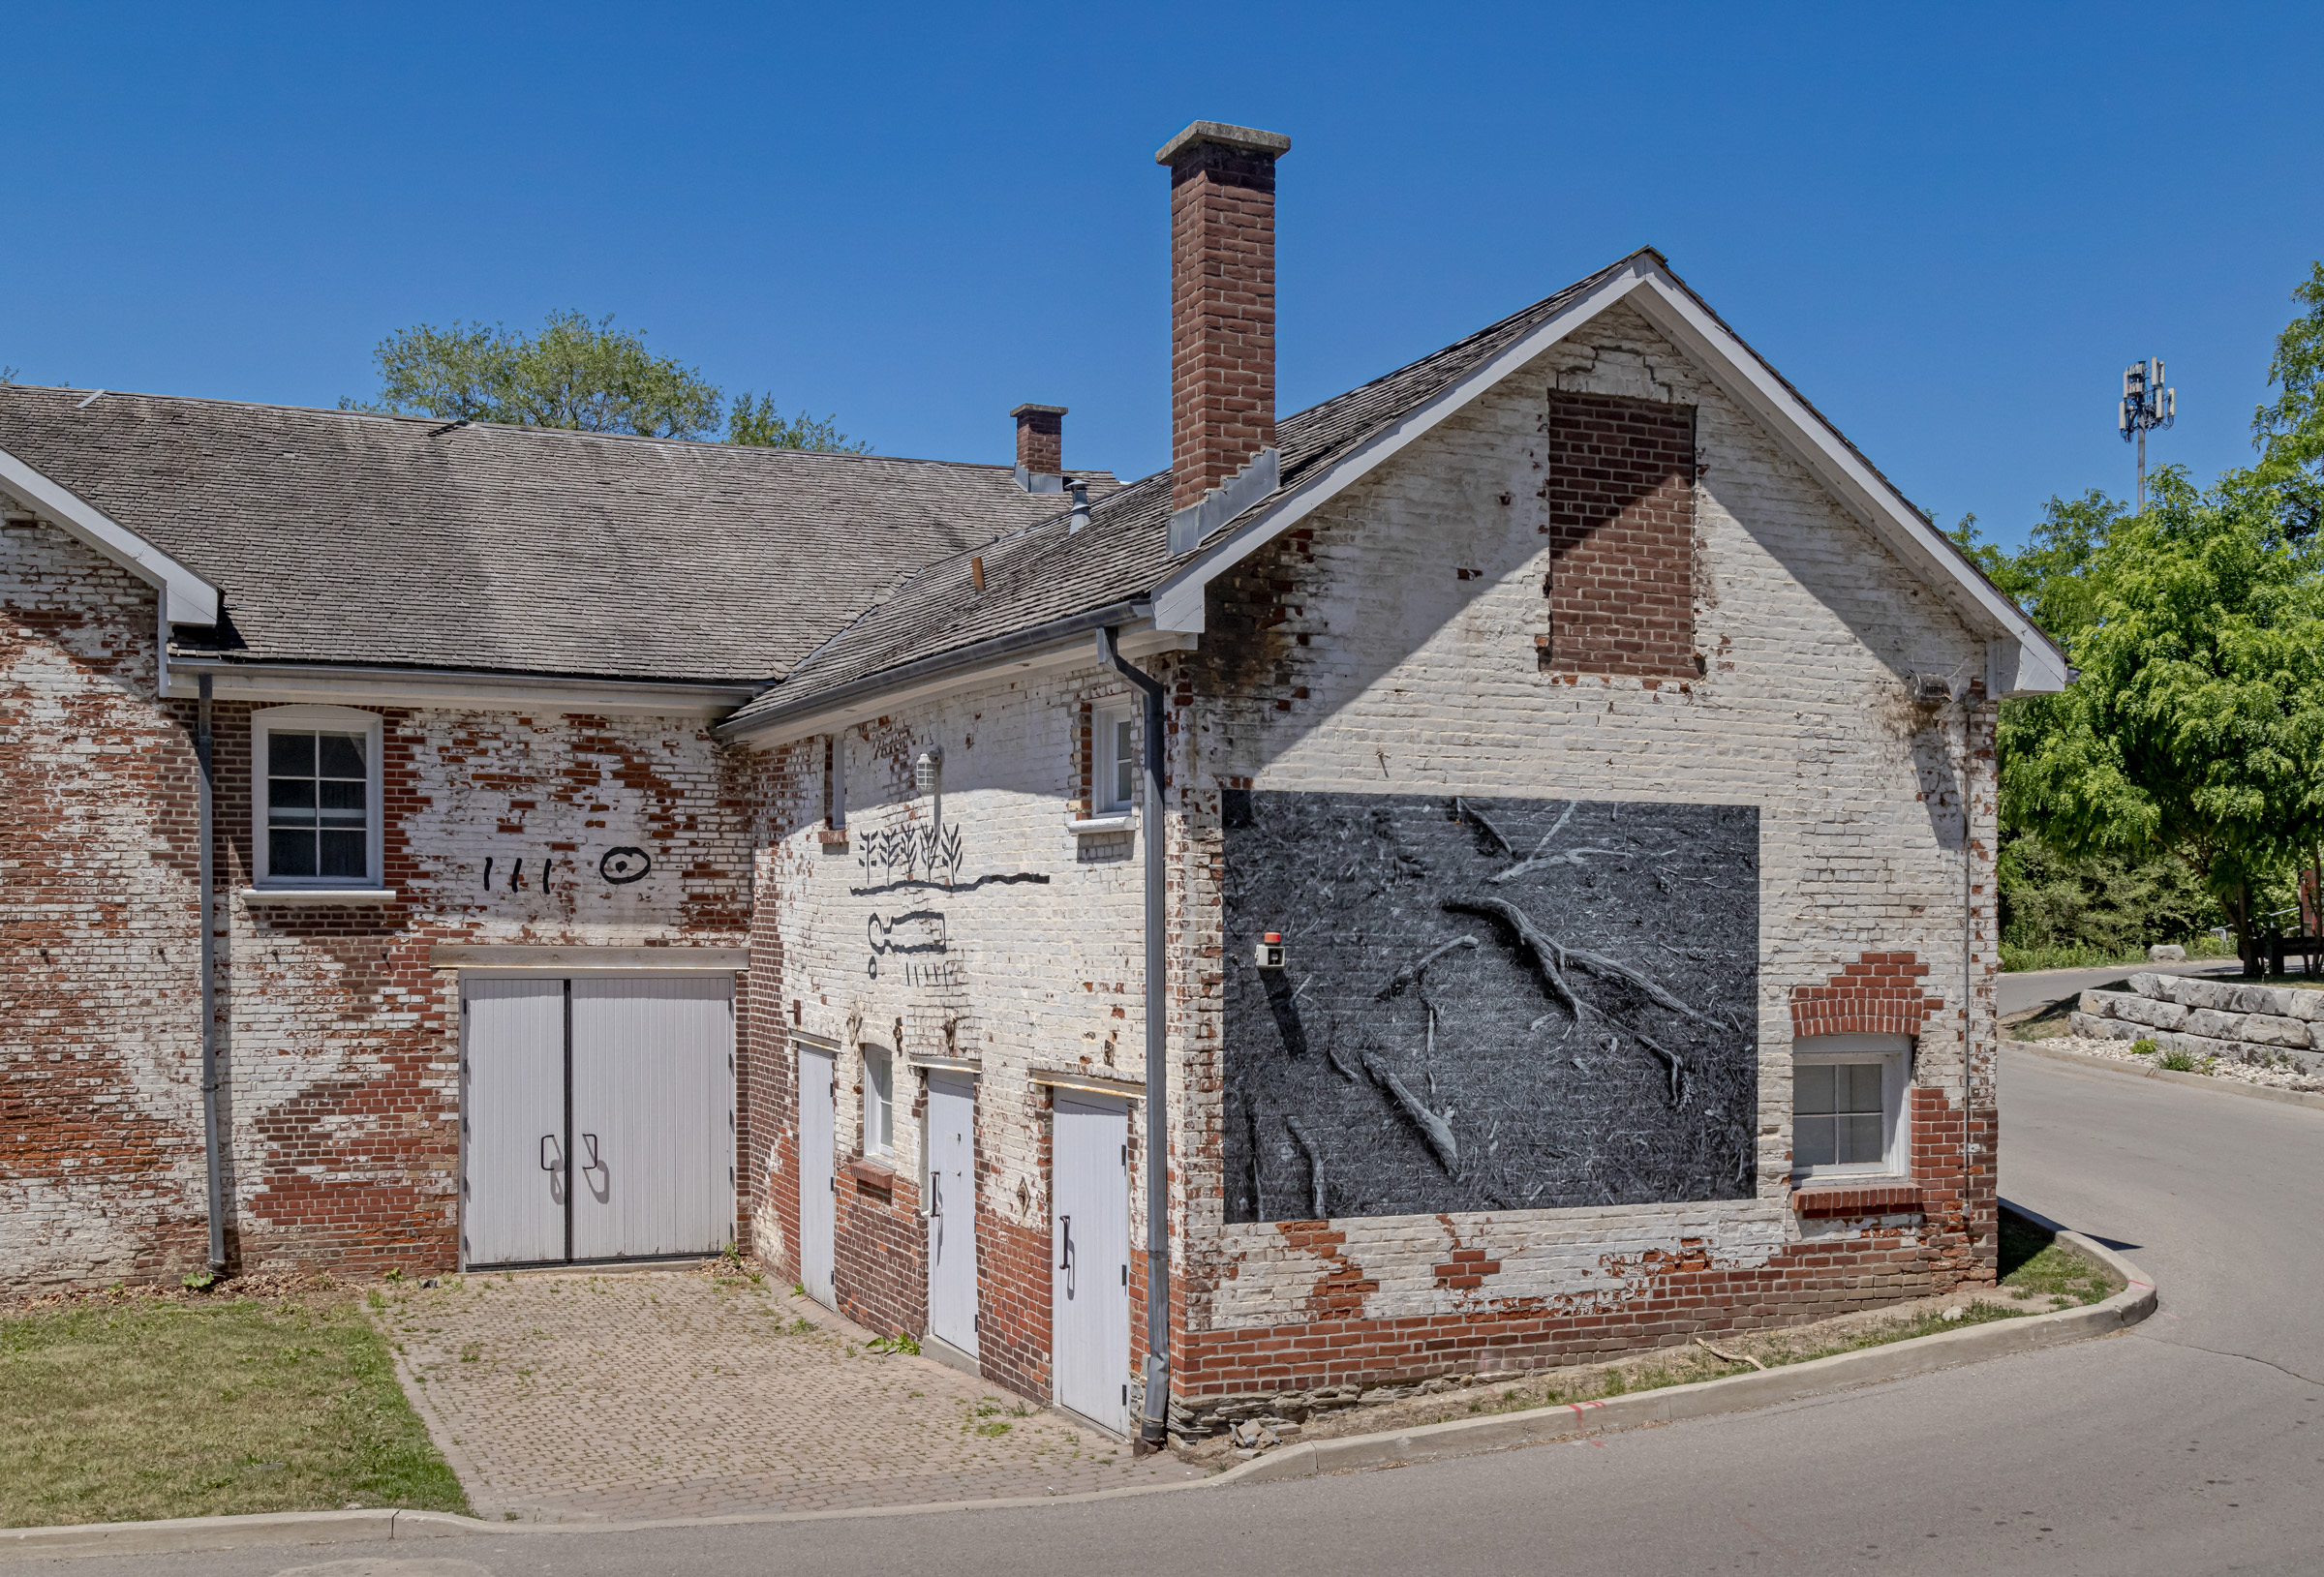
(1951, 227)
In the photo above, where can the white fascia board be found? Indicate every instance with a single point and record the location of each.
(2033, 664)
(2038, 667)
(1179, 600)
(186, 598)
(1139, 640)
(465, 691)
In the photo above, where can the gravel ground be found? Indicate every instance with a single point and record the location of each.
(2274, 1079)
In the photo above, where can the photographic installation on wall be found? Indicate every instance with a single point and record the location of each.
(1487, 1004)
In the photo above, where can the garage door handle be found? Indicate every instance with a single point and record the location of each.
(594, 1164)
(1066, 1243)
(547, 1143)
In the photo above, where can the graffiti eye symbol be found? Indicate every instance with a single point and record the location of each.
(625, 864)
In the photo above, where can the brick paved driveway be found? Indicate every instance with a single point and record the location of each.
(685, 1393)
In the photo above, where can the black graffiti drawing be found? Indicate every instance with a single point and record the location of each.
(1506, 1004)
(923, 931)
(931, 847)
(516, 874)
(625, 864)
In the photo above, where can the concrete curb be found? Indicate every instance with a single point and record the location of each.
(1467, 1437)
(2201, 1082)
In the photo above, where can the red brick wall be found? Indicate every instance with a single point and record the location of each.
(1682, 1296)
(1878, 994)
(1621, 528)
(101, 1158)
(1222, 314)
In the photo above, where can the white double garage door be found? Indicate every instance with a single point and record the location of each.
(596, 1119)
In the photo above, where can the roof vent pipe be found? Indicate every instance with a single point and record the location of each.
(1080, 487)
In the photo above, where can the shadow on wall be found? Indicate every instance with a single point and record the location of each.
(1500, 1004)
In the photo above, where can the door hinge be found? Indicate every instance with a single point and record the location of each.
(1125, 1275)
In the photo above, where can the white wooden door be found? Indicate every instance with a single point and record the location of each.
(818, 1163)
(512, 1148)
(1089, 1258)
(653, 1136)
(951, 1204)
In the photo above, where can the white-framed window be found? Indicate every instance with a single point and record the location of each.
(879, 1103)
(1848, 1102)
(315, 797)
(1113, 760)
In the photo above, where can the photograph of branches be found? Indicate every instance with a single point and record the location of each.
(1487, 1004)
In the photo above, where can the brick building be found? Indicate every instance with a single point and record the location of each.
(1502, 856)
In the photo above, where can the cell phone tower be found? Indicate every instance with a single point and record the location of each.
(2146, 404)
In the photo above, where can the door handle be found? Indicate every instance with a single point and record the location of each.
(546, 1165)
(1064, 1242)
(594, 1164)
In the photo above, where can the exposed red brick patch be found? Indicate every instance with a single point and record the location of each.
(1878, 994)
(1621, 528)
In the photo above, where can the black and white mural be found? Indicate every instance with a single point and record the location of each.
(1487, 1004)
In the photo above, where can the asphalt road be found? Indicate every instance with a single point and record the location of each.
(2039, 988)
(2192, 1445)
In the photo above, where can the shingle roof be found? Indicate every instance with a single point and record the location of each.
(343, 536)
(1044, 573)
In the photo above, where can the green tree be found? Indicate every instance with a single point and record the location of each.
(574, 374)
(2289, 430)
(2197, 727)
(2048, 576)
(756, 422)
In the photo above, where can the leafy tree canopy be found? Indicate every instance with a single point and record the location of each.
(574, 374)
(758, 422)
(2196, 727)
(2289, 430)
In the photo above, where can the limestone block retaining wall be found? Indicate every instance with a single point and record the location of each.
(2228, 1020)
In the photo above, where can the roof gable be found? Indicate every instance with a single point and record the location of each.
(1046, 578)
(187, 598)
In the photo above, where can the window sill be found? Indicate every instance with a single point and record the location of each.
(1869, 1195)
(318, 894)
(1122, 821)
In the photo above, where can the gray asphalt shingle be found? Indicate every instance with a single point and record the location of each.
(345, 537)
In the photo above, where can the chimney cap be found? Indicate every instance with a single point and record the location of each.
(1246, 138)
(1038, 411)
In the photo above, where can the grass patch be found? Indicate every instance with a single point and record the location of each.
(122, 1412)
(2015, 959)
(2035, 1265)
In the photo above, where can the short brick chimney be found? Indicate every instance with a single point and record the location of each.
(1222, 305)
(1040, 447)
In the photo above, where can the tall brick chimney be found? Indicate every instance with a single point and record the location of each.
(1222, 308)
(1040, 447)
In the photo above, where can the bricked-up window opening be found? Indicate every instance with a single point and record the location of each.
(1847, 1101)
(1621, 528)
(879, 1103)
(1113, 760)
(318, 804)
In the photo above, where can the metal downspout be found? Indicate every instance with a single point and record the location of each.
(205, 867)
(1969, 923)
(1153, 1428)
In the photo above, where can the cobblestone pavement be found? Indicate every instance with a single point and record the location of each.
(572, 1397)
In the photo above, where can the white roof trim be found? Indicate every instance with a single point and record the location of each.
(419, 687)
(186, 598)
(2020, 659)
